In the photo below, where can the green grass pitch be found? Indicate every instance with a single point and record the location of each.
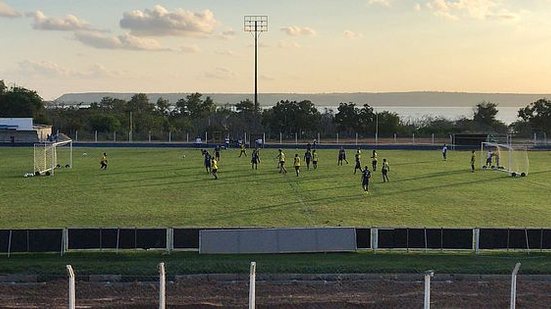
(160, 187)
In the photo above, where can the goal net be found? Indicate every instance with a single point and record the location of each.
(51, 156)
(504, 157)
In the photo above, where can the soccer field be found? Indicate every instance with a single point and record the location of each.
(159, 187)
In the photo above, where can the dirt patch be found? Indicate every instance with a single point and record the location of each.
(383, 293)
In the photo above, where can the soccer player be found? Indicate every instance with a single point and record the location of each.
(473, 159)
(208, 159)
(315, 158)
(243, 150)
(366, 174)
(358, 158)
(342, 156)
(374, 160)
(308, 158)
(255, 158)
(384, 170)
(296, 164)
(217, 152)
(489, 158)
(445, 152)
(281, 162)
(214, 168)
(103, 162)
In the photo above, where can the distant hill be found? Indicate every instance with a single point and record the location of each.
(426, 99)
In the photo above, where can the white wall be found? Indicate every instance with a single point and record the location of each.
(19, 123)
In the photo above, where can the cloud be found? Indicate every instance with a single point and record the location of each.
(266, 77)
(67, 23)
(352, 35)
(221, 73)
(125, 41)
(49, 69)
(297, 31)
(160, 22)
(225, 52)
(8, 11)
(386, 3)
(473, 9)
(228, 34)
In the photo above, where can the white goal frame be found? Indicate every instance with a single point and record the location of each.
(45, 156)
(510, 167)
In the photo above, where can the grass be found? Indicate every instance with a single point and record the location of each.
(141, 264)
(160, 188)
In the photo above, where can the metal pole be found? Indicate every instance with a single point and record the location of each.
(535, 138)
(514, 286)
(296, 139)
(413, 138)
(150, 136)
(187, 137)
(376, 128)
(130, 129)
(394, 138)
(319, 139)
(206, 137)
(170, 136)
(256, 65)
(432, 138)
(72, 300)
(280, 138)
(337, 137)
(356, 138)
(96, 136)
(76, 135)
(252, 286)
(162, 286)
(115, 136)
(263, 139)
(428, 275)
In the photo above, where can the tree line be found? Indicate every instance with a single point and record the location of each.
(196, 114)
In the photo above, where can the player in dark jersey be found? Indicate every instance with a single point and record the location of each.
(255, 158)
(217, 153)
(366, 175)
(207, 161)
(342, 156)
(358, 157)
(307, 158)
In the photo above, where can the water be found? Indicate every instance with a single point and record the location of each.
(415, 113)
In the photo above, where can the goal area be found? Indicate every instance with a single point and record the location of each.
(51, 156)
(508, 158)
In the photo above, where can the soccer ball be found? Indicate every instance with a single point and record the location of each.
(183, 156)
(84, 154)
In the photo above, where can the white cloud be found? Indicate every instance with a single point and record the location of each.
(125, 41)
(161, 22)
(296, 30)
(386, 3)
(228, 34)
(473, 9)
(352, 35)
(67, 23)
(221, 73)
(51, 69)
(8, 11)
(225, 52)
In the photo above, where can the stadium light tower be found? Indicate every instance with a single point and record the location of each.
(255, 24)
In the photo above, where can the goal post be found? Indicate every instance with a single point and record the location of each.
(508, 158)
(51, 156)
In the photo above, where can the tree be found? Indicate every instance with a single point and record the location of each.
(537, 115)
(485, 117)
(2, 87)
(347, 117)
(22, 103)
(389, 123)
(366, 120)
(292, 117)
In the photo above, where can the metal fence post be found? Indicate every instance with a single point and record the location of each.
(514, 286)
(206, 137)
(319, 139)
(296, 138)
(337, 138)
(413, 138)
(428, 275)
(395, 135)
(170, 136)
(72, 299)
(280, 138)
(476, 240)
(76, 135)
(263, 139)
(187, 137)
(432, 136)
(252, 286)
(150, 136)
(96, 136)
(356, 138)
(162, 286)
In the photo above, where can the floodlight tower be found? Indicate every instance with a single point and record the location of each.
(255, 24)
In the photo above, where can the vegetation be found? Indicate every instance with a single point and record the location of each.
(196, 115)
(161, 188)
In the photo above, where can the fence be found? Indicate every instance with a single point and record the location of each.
(169, 239)
(280, 138)
(256, 288)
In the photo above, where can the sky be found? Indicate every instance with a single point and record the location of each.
(311, 46)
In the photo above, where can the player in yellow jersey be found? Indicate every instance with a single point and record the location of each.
(296, 164)
(374, 160)
(214, 168)
(281, 162)
(243, 150)
(103, 162)
(358, 158)
(384, 170)
(315, 158)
